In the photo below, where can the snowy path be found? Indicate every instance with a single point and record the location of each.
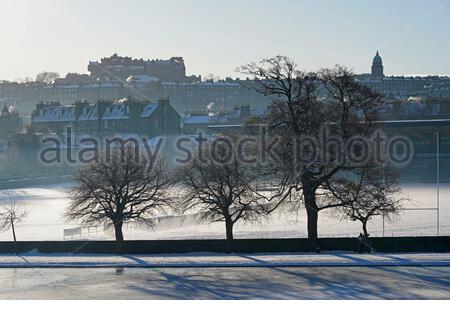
(229, 283)
(223, 260)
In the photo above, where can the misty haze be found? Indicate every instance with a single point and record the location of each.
(224, 150)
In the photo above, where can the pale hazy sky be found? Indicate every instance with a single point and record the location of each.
(217, 36)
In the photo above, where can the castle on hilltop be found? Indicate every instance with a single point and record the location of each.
(121, 68)
(116, 76)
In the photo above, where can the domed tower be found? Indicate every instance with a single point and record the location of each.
(377, 67)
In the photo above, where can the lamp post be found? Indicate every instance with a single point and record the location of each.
(384, 179)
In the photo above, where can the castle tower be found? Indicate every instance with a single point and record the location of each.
(377, 67)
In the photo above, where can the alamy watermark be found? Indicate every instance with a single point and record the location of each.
(70, 149)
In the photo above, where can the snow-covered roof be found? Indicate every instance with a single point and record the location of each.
(56, 113)
(89, 113)
(148, 110)
(205, 84)
(108, 85)
(198, 119)
(116, 111)
(219, 83)
(142, 79)
(169, 83)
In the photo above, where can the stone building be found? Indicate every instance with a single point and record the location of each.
(167, 78)
(117, 67)
(114, 77)
(10, 121)
(214, 123)
(404, 86)
(128, 116)
(225, 94)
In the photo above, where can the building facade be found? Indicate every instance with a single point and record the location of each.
(125, 116)
(224, 94)
(404, 86)
(216, 123)
(117, 67)
(114, 77)
(10, 121)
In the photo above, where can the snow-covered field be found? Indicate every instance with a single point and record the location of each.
(47, 204)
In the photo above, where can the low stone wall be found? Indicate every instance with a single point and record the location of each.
(385, 245)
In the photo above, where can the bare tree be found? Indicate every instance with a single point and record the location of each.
(123, 188)
(222, 189)
(373, 193)
(11, 214)
(305, 105)
(47, 77)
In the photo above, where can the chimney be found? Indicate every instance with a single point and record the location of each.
(164, 101)
(101, 107)
(136, 107)
(79, 106)
(41, 105)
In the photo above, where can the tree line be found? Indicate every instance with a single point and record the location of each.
(125, 188)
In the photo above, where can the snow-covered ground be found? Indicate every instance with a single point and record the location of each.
(203, 259)
(47, 204)
(230, 283)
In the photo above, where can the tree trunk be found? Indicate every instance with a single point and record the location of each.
(366, 246)
(119, 237)
(229, 233)
(14, 235)
(312, 217)
(364, 226)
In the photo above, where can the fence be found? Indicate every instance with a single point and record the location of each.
(82, 232)
(77, 233)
